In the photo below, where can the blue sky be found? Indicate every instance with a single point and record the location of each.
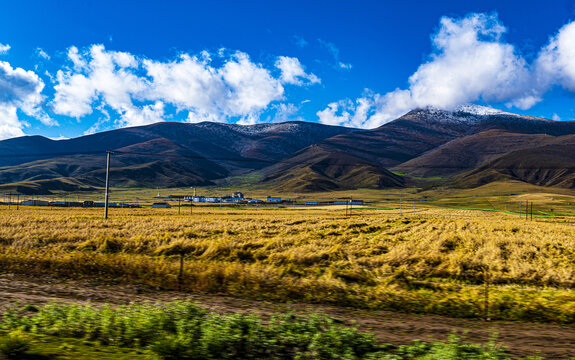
(73, 67)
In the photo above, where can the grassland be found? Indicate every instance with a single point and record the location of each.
(428, 260)
(184, 331)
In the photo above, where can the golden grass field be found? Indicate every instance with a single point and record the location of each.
(428, 260)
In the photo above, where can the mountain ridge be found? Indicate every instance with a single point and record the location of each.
(295, 155)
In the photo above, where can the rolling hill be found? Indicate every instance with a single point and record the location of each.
(318, 170)
(549, 165)
(468, 152)
(184, 154)
(470, 146)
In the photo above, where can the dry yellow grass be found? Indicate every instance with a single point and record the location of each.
(430, 260)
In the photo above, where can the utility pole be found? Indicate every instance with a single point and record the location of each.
(520, 209)
(350, 205)
(108, 153)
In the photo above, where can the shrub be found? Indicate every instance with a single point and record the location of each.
(15, 345)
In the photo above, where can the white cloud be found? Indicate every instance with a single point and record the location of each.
(42, 54)
(470, 63)
(188, 83)
(336, 113)
(344, 66)
(102, 75)
(10, 126)
(286, 112)
(292, 72)
(147, 114)
(139, 89)
(556, 117)
(251, 86)
(19, 90)
(4, 48)
(556, 62)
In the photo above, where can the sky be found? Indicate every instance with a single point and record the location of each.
(71, 68)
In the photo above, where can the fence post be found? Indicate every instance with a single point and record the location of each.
(486, 279)
(106, 197)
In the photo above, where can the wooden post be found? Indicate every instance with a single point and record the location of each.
(486, 306)
(350, 205)
(106, 197)
(181, 273)
(532, 211)
(520, 209)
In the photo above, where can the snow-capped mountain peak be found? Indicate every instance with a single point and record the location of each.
(481, 110)
(471, 114)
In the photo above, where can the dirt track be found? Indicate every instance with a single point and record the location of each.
(522, 339)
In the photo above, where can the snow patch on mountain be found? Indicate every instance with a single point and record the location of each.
(482, 110)
(472, 114)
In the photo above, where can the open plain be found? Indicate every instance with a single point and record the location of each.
(402, 273)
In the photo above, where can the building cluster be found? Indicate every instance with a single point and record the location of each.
(239, 198)
(236, 198)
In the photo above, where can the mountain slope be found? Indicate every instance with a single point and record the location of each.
(488, 134)
(296, 155)
(185, 154)
(426, 142)
(318, 170)
(423, 130)
(469, 152)
(550, 165)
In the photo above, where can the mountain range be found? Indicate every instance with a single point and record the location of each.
(467, 147)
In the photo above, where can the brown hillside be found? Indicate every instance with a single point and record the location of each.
(468, 152)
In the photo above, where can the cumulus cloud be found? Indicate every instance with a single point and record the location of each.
(238, 89)
(292, 72)
(471, 62)
(252, 87)
(4, 48)
(556, 62)
(101, 75)
(19, 90)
